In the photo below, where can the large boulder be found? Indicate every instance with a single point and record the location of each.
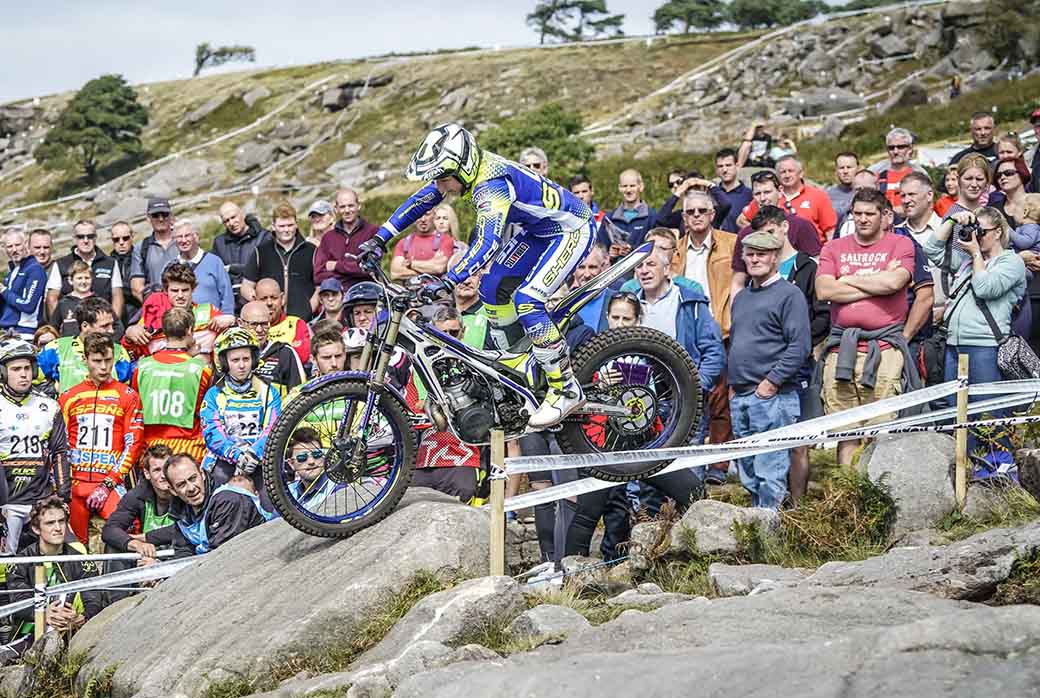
(918, 470)
(451, 615)
(255, 95)
(890, 45)
(208, 108)
(969, 569)
(738, 580)
(913, 95)
(16, 119)
(274, 591)
(547, 621)
(961, 15)
(707, 527)
(252, 155)
(849, 643)
(128, 207)
(182, 175)
(1028, 460)
(817, 102)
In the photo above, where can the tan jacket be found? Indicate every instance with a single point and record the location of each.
(720, 273)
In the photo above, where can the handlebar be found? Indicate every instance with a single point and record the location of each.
(394, 291)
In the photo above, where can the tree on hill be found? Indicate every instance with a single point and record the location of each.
(753, 14)
(207, 56)
(573, 20)
(706, 14)
(551, 128)
(102, 123)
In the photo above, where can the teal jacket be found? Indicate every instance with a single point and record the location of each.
(1000, 286)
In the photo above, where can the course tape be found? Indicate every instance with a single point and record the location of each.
(785, 438)
(160, 570)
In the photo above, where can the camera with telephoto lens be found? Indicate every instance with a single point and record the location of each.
(969, 231)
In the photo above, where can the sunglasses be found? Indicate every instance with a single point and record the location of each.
(696, 211)
(158, 215)
(454, 333)
(673, 183)
(986, 231)
(316, 454)
(125, 238)
(1007, 173)
(765, 176)
(88, 236)
(898, 146)
(626, 295)
(532, 165)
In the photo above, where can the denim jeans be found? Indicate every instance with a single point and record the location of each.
(982, 368)
(764, 475)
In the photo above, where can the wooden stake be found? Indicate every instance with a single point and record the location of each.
(498, 503)
(961, 481)
(39, 617)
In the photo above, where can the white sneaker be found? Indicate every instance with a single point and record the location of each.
(558, 403)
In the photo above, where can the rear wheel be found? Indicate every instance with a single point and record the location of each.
(651, 375)
(334, 499)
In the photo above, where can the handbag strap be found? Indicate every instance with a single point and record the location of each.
(957, 297)
(984, 307)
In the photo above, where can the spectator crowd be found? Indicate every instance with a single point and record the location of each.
(139, 385)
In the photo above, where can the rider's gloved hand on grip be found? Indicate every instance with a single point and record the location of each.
(96, 500)
(435, 289)
(370, 254)
(247, 462)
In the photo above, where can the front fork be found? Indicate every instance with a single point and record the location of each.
(376, 386)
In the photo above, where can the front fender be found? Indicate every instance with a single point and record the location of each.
(339, 376)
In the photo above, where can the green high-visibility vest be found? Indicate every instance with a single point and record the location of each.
(151, 520)
(72, 367)
(170, 392)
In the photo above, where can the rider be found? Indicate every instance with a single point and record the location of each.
(238, 411)
(33, 445)
(532, 231)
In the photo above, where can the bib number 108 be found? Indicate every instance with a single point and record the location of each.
(167, 403)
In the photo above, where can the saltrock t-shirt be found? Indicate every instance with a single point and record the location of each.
(846, 257)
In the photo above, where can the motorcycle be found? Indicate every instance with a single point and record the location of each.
(641, 388)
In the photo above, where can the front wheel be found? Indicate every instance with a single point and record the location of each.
(650, 374)
(310, 475)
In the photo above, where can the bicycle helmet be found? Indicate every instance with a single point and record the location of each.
(447, 151)
(354, 339)
(12, 348)
(235, 338)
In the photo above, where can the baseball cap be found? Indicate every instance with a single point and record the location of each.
(321, 207)
(331, 285)
(1034, 116)
(761, 241)
(157, 204)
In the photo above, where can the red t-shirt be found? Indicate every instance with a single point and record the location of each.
(846, 257)
(812, 203)
(889, 183)
(424, 247)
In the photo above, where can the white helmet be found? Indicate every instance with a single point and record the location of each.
(447, 150)
(354, 339)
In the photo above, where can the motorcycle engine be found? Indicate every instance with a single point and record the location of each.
(469, 399)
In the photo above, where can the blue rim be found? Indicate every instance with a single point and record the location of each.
(391, 480)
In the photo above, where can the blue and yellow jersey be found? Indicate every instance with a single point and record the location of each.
(510, 200)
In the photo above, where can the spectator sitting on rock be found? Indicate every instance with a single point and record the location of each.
(237, 245)
(770, 345)
(800, 232)
(212, 283)
(846, 165)
(141, 523)
(626, 226)
(865, 276)
(288, 259)
(49, 520)
(279, 364)
(900, 145)
(982, 127)
(206, 517)
(425, 251)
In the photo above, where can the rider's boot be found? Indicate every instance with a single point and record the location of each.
(564, 395)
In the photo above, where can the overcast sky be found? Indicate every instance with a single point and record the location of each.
(58, 45)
